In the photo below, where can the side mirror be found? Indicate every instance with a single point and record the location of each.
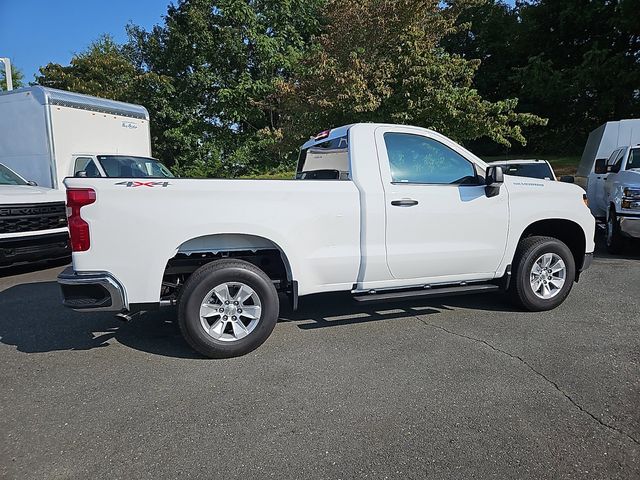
(601, 166)
(32, 183)
(495, 176)
(568, 179)
(81, 174)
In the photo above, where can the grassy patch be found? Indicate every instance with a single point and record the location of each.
(562, 165)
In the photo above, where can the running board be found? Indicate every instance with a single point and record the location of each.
(427, 292)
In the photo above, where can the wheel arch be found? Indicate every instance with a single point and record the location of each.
(223, 243)
(196, 252)
(565, 230)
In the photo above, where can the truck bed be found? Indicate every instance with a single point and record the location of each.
(138, 226)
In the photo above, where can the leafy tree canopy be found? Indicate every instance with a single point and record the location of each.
(233, 86)
(16, 78)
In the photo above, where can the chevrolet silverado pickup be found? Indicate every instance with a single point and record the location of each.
(384, 212)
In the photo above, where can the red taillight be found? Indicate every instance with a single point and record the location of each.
(78, 228)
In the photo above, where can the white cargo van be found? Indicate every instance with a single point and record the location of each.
(47, 135)
(601, 143)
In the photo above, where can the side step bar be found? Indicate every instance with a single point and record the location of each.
(427, 292)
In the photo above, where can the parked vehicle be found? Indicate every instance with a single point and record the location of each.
(33, 221)
(532, 168)
(617, 196)
(400, 212)
(47, 135)
(601, 142)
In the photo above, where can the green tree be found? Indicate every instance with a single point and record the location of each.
(101, 70)
(575, 62)
(226, 59)
(581, 65)
(380, 60)
(16, 77)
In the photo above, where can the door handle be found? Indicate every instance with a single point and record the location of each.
(405, 202)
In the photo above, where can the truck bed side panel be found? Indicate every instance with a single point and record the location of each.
(135, 230)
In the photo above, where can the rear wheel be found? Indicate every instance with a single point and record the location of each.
(544, 270)
(227, 308)
(615, 241)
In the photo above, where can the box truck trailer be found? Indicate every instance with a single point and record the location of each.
(601, 143)
(47, 135)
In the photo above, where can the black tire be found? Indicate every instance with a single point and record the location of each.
(614, 238)
(195, 292)
(529, 251)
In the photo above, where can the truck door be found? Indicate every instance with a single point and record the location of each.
(597, 194)
(440, 223)
(611, 179)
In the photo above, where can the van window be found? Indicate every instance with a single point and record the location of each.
(325, 161)
(418, 159)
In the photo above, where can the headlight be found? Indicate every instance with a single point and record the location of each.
(631, 204)
(631, 193)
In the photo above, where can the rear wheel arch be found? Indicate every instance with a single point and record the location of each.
(234, 242)
(193, 253)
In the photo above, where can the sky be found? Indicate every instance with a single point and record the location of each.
(36, 32)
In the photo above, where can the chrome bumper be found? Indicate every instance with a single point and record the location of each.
(630, 225)
(97, 291)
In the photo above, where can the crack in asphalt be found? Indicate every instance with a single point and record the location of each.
(540, 374)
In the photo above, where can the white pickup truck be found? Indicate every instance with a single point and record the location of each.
(614, 194)
(382, 211)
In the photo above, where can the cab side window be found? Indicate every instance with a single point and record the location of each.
(418, 159)
(615, 160)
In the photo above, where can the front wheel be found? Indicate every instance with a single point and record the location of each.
(227, 308)
(615, 241)
(543, 273)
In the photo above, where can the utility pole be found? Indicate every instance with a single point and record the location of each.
(7, 71)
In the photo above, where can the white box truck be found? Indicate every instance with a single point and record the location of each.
(47, 135)
(601, 143)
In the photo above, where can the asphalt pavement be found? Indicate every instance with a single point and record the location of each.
(466, 387)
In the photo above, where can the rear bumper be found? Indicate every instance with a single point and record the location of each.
(98, 291)
(630, 225)
(27, 249)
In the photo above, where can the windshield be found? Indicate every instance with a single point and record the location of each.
(7, 177)
(531, 170)
(132, 167)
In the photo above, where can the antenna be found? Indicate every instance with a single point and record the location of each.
(7, 71)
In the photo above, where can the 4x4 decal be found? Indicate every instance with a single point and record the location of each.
(143, 184)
